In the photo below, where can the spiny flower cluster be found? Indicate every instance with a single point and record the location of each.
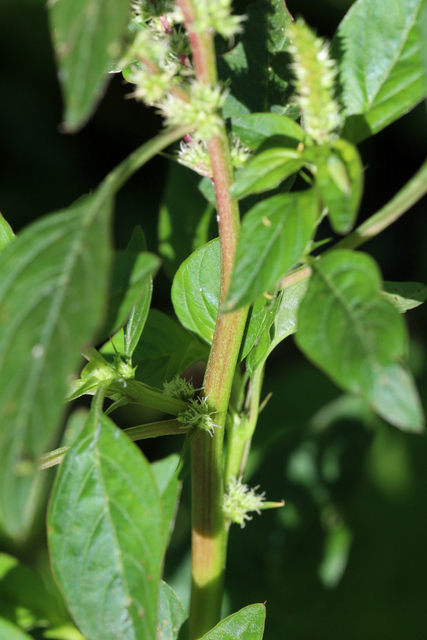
(240, 500)
(315, 76)
(198, 416)
(179, 388)
(215, 15)
(194, 154)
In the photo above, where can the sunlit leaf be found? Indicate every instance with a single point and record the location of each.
(246, 624)
(273, 237)
(105, 529)
(381, 71)
(358, 338)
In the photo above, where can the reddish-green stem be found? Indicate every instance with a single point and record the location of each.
(209, 530)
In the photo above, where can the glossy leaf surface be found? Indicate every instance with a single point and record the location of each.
(195, 290)
(105, 529)
(381, 72)
(165, 350)
(266, 171)
(253, 129)
(87, 35)
(358, 338)
(273, 237)
(53, 280)
(171, 615)
(246, 624)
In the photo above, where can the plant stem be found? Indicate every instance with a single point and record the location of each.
(209, 530)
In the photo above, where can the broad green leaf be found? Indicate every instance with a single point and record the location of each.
(339, 176)
(381, 71)
(9, 631)
(266, 171)
(272, 239)
(185, 218)
(130, 282)
(105, 531)
(6, 233)
(53, 280)
(195, 290)
(256, 67)
(357, 338)
(166, 477)
(404, 295)
(87, 35)
(255, 128)
(139, 311)
(246, 624)
(165, 350)
(171, 615)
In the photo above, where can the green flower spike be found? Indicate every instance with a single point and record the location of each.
(179, 388)
(315, 76)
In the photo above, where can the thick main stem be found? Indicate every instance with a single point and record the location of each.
(209, 532)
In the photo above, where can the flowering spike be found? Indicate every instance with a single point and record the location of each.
(315, 75)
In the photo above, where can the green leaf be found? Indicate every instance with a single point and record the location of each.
(246, 624)
(285, 318)
(171, 615)
(195, 290)
(105, 531)
(53, 280)
(256, 66)
(166, 477)
(185, 218)
(130, 288)
(165, 350)
(9, 631)
(255, 128)
(339, 176)
(6, 233)
(87, 36)
(404, 295)
(24, 599)
(357, 338)
(381, 70)
(272, 239)
(266, 171)
(254, 325)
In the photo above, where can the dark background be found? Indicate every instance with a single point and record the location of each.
(355, 492)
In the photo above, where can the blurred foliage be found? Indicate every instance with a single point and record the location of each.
(346, 557)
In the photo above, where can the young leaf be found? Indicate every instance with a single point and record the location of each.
(165, 350)
(130, 281)
(246, 624)
(285, 318)
(404, 295)
(266, 171)
(254, 325)
(87, 36)
(255, 128)
(6, 233)
(381, 70)
(273, 237)
(357, 338)
(105, 530)
(171, 615)
(53, 279)
(339, 176)
(139, 311)
(195, 290)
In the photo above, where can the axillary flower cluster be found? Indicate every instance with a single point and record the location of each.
(157, 62)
